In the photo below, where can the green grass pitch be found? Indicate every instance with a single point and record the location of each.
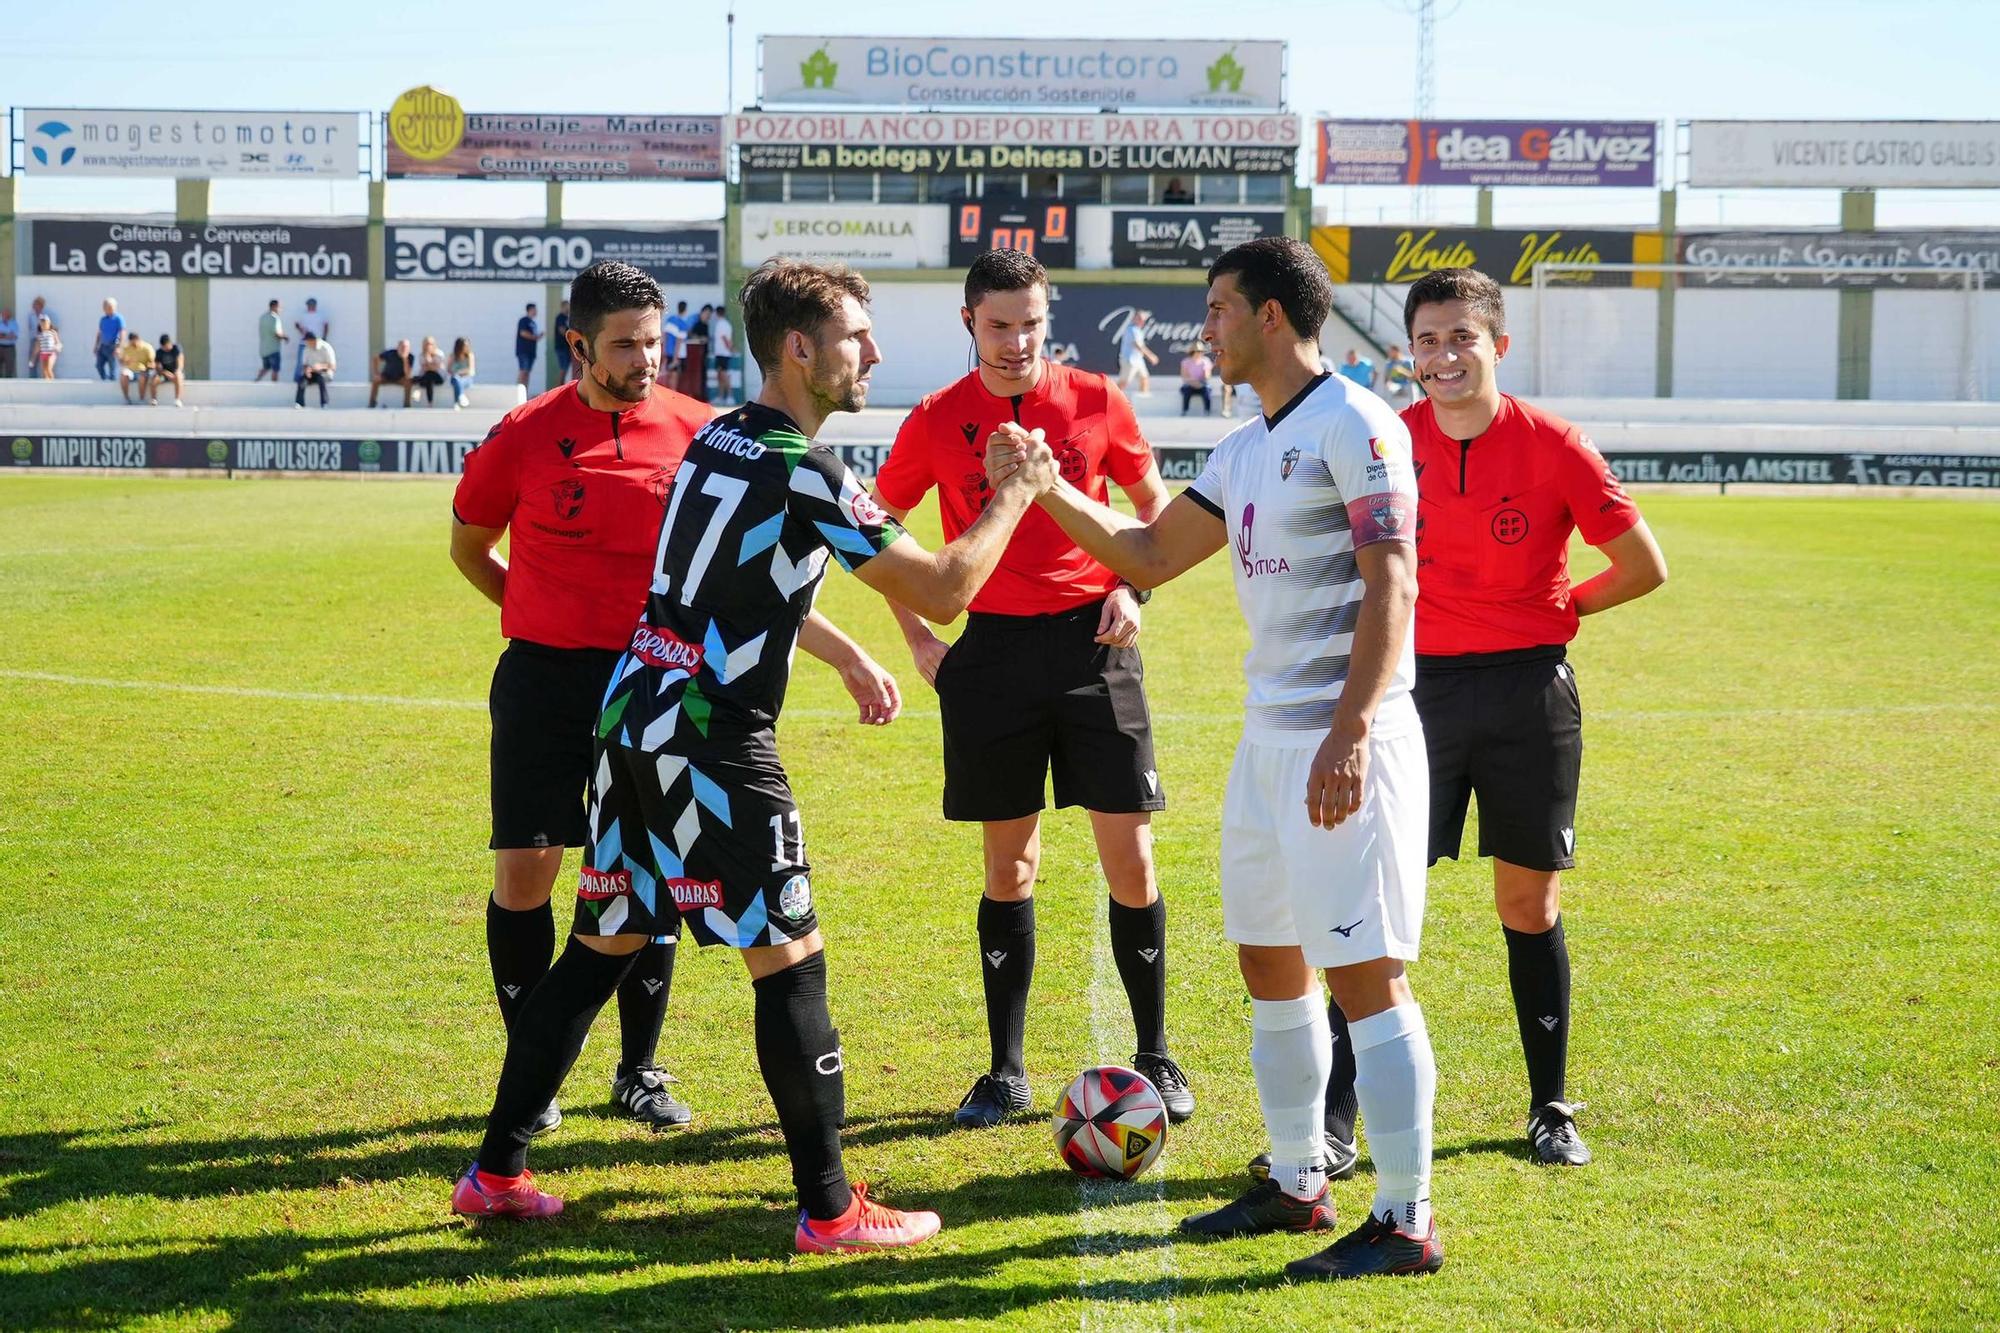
(247, 1037)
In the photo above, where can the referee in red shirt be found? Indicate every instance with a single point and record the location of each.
(1046, 676)
(578, 476)
(1501, 486)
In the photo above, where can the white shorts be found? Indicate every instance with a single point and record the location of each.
(1135, 364)
(1344, 895)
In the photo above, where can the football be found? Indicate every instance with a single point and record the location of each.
(1110, 1121)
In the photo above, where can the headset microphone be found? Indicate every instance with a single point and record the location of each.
(973, 347)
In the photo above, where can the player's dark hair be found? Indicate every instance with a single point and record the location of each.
(1282, 269)
(1482, 297)
(604, 289)
(1003, 271)
(781, 295)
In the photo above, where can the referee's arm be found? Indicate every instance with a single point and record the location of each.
(475, 550)
(1637, 567)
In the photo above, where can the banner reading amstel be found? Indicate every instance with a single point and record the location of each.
(430, 135)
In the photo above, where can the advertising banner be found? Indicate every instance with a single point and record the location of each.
(1404, 254)
(1091, 317)
(190, 145)
(1845, 154)
(1185, 238)
(429, 136)
(937, 144)
(1487, 152)
(239, 453)
(891, 235)
(1742, 258)
(203, 250)
(1008, 71)
(1045, 228)
(678, 256)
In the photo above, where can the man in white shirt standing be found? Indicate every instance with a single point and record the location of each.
(1325, 824)
(722, 351)
(1134, 357)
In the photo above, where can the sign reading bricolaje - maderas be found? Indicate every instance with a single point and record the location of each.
(683, 256)
(193, 145)
(205, 250)
(1011, 71)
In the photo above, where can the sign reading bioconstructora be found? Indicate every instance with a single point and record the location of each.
(199, 250)
(1845, 154)
(190, 145)
(681, 256)
(1486, 152)
(1006, 71)
(937, 144)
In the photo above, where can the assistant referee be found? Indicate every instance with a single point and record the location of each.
(1502, 485)
(578, 476)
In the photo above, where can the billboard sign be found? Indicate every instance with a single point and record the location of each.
(431, 136)
(190, 145)
(891, 235)
(674, 256)
(1509, 257)
(1854, 258)
(197, 250)
(1487, 152)
(938, 144)
(1845, 154)
(1185, 237)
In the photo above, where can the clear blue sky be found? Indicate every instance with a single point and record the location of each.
(1850, 59)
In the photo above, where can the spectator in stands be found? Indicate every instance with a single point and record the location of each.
(1061, 354)
(393, 365)
(48, 346)
(316, 366)
(33, 322)
(166, 367)
(722, 348)
(673, 340)
(135, 367)
(110, 333)
(1134, 356)
(527, 332)
(315, 323)
(559, 349)
(1176, 192)
(10, 338)
(1195, 371)
(1358, 369)
(694, 357)
(462, 369)
(271, 340)
(430, 369)
(1399, 378)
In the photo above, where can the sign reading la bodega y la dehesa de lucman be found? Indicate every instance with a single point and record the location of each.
(941, 143)
(197, 250)
(1016, 71)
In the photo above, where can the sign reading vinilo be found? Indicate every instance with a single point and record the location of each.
(431, 135)
(1404, 254)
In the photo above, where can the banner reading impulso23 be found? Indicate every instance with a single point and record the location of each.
(680, 257)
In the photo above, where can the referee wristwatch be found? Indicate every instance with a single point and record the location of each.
(1143, 595)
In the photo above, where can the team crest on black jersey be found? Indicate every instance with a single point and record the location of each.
(1289, 461)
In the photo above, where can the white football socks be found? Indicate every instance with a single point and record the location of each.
(1291, 1054)
(1395, 1079)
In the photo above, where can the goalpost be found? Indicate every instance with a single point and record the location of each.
(1786, 331)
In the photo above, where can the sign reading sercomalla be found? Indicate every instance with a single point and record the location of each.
(1850, 258)
(189, 145)
(1006, 71)
(431, 135)
(679, 256)
(895, 235)
(1487, 152)
(1845, 154)
(200, 250)
(937, 144)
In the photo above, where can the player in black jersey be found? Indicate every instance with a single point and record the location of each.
(692, 820)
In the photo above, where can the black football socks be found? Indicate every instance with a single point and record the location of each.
(1007, 963)
(1139, 944)
(519, 946)
(1538, 971)
(642, 1005)
(547, 1034)
(1342, 1106)
(798, 1051)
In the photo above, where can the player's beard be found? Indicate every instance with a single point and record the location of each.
(839, 392)
(633, 388)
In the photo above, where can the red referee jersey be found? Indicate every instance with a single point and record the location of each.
(1095, 435)
(581, 493)
(1494, 520)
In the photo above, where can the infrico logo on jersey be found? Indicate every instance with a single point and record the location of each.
(597, 885)
(664, 649)
(695, 892)
(1246, 549)
(729, 440)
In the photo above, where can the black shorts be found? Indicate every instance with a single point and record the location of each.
(1508, 728)
(1024, 696)
(544, 704)
(714, 844)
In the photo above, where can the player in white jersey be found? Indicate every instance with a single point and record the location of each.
(1325, 822)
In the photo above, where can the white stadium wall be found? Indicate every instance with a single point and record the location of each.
(77, 303)
(1756, 344)
(1918, 345)
(923, 344)
(1093, 237)
(236, 304)
(1600, 340)
(485, 312)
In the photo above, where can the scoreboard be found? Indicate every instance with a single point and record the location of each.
(1045, 228)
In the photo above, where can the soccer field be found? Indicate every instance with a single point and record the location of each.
(247, 1035)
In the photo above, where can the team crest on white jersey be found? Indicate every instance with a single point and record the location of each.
(1289, 461)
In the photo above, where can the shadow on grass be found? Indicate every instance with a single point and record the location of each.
(727, 1265)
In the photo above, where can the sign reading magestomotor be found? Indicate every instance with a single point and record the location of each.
(189, 145)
